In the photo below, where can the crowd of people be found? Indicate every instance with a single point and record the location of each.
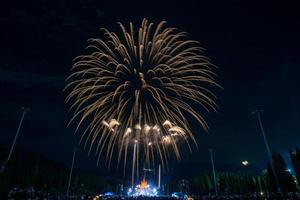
(281, 196)
(255, 196)
(18, 193)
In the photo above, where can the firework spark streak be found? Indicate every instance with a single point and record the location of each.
(137, 87)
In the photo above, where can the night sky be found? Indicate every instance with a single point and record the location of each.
(254, 44)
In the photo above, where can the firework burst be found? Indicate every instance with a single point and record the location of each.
(137, 87)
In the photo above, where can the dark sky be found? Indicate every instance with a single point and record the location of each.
(254, 44)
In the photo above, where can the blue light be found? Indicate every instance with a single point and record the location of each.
(178, 195)
(174, 195)
(108, 194)
(148, 191)
(288, 170)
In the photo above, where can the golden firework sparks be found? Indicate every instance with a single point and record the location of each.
(137, 86)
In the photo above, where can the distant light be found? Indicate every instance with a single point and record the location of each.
(261, 193)
(154, 190)
(108, 194)
(288, 170)
(174, 195)
(245, 163)
(96, 197)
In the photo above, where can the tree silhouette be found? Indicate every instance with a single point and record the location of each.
(285, 178)
(295, 158)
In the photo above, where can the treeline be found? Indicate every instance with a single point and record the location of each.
(236, 183)
(27, 169)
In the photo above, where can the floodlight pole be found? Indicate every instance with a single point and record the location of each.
(213, 169)
(71, 171)
(159, 175)
(258, 113)
(133, 164)
(25, 110)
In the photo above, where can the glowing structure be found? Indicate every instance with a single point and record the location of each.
(143, 189)
(135, 89)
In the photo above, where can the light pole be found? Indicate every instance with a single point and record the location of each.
(25, 110)
(258, 113)
(213, 169)
(71, 171)
(133, 163)
(159, 175)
